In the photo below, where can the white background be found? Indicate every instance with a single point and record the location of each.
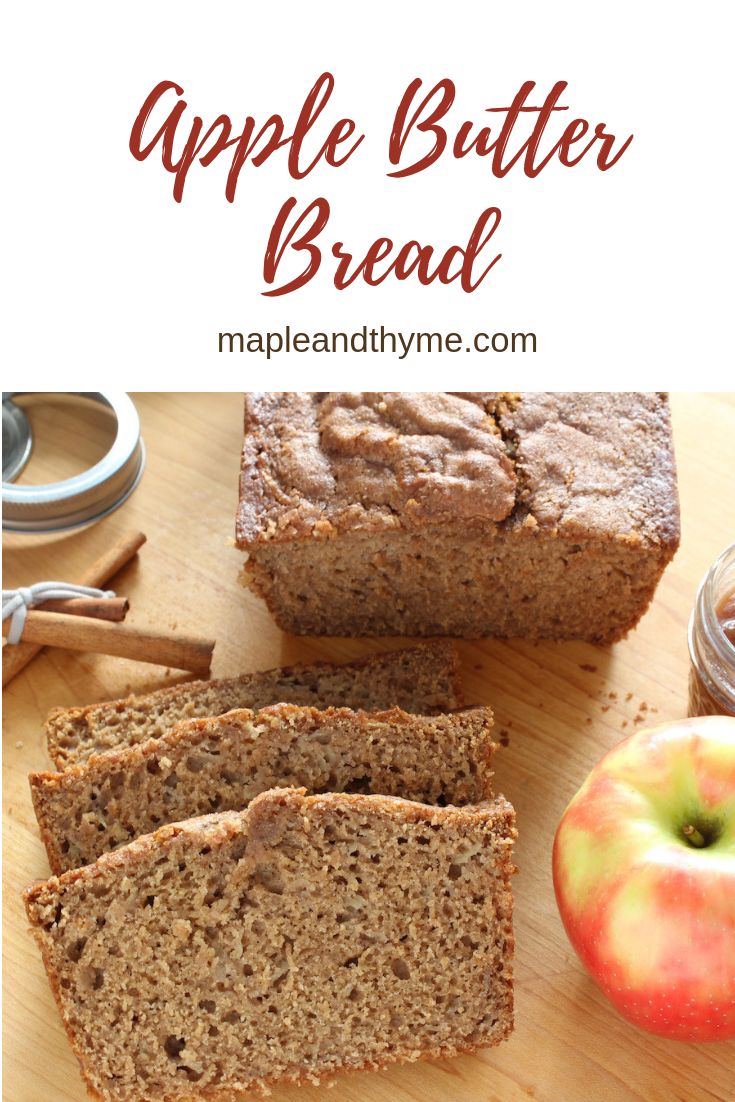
(625, 276)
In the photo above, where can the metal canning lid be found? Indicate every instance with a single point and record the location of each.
(17, 439)
(86, 497)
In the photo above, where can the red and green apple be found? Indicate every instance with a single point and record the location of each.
(644, 874)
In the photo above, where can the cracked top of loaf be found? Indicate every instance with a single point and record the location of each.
(593, 464)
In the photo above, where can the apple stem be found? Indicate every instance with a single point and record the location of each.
(693, 836)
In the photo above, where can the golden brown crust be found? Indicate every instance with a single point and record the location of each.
(597, 465)
(320, 463)
(581, 464)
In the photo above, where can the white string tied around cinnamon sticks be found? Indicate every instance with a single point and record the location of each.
(16, 602)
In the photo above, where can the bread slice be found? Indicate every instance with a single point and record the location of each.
(220, 764)
(304, 936)
(422, 679)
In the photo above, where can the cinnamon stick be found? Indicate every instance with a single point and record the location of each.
(97, 574)
(99, 608)
(56, 629)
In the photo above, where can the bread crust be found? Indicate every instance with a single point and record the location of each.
(314, 465)
(593, 464)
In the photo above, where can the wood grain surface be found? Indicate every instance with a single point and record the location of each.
(558, 707)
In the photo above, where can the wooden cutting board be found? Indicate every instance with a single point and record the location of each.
(558, 707)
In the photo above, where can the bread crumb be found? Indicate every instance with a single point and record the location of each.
(181, 929)
(624, 723)
(503, 737)
(477, 667)
(298, 836)
(586, 666)
(638, 718)
(629, 696)
(444, 756)
(643, 707)
(612, 696)
(606, 707)
(588, 720)
(19, 744)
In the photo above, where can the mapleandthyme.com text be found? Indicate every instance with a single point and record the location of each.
(380, 340)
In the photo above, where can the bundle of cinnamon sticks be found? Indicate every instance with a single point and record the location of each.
(96, 624)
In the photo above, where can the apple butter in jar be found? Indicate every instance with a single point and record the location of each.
(712, 641)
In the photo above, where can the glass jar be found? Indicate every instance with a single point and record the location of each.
(712, 653)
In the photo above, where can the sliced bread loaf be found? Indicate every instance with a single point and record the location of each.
(304, 936)
(422, 679)
(220, 764)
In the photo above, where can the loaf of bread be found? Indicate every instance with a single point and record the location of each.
(221, 764)
(534, 515)
(421, 679)
(304, 936)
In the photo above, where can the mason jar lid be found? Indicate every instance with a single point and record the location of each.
(57, 506)
(17, 439)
